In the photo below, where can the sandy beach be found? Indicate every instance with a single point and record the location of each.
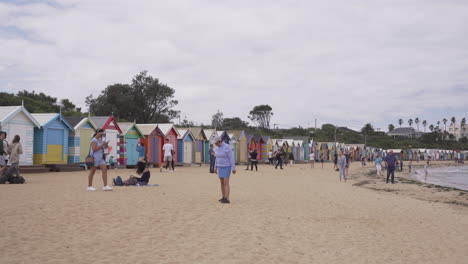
(295, 215)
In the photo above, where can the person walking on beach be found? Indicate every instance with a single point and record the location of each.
(270, 157)
(426, 168)
(378, 165)
(335, 161)
(348, 162)
(391, 162)
(97, 152)
(224, 165)
(253, 160)
(341, 164)
(3, 151)
(410, 163)
(312, 160)
(212, 154)
(279, 158)
(321, 159)
(249, 153)
(168, 149)
(291, 159)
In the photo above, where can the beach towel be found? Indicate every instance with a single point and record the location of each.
(149, 185)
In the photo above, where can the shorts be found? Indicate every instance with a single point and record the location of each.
(224, 172)
(167, 158)
(2, 161)
(141, 158)
(98, 161)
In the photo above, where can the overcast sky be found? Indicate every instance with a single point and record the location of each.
(342, 62)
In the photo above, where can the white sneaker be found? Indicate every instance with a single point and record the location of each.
(171, 171)
(91, 189)
(107, 188)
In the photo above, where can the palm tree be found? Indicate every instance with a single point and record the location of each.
(453, 123)
(416, 121)
(438, 123)
(400, 121)
(424, 123)
(431, 127)
(463, 122)
(445, 122)
(410, 122)
(391, 127)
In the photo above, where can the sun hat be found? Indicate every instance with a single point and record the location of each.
(217, 139)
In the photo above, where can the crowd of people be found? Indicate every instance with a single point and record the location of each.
(222, 163)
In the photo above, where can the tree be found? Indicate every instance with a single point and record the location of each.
(391, 127)
(234, 123)
(39, 103)
(431, 127)
(416, 121)
(410, 122)
(217, 120)
(367, 129)
(187, 123)
(438, 123)
(424, 123)
(145, 100)
(453, 123)
(400, 122)
(445, 122)
(462, 123)
(261, 115)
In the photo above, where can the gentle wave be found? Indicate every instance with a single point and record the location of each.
(449, 177)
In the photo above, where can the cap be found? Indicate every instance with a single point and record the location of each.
(217, 139)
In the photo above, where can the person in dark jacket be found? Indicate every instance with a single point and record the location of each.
(253, 160)
(279, 158)
(391, 162)
(212, 158)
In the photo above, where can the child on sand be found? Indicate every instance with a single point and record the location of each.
(312, 159)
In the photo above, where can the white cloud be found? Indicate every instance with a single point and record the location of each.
(348, 62)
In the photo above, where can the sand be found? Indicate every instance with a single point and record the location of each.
(296, 215)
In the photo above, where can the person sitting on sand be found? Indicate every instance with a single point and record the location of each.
(142, 171)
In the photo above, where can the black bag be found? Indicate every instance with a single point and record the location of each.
(89, 160)
(16, 180)
(118, 181)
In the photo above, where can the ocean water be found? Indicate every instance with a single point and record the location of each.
(456, 177)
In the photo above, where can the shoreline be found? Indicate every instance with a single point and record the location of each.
(407, 185)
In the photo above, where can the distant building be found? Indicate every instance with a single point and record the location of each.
(458, 131)
(405, 132)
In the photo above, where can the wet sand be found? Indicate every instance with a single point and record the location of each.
(296, 215)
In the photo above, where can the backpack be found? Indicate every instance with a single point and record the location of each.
(16, 180)
(118, 181)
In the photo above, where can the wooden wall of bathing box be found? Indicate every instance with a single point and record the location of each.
(16, 120)
(79, 140)
(200, 143)
(131, 136)
(153, 142)
(51, 139)
(185, 146)
(170, 132)
(210, 135)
